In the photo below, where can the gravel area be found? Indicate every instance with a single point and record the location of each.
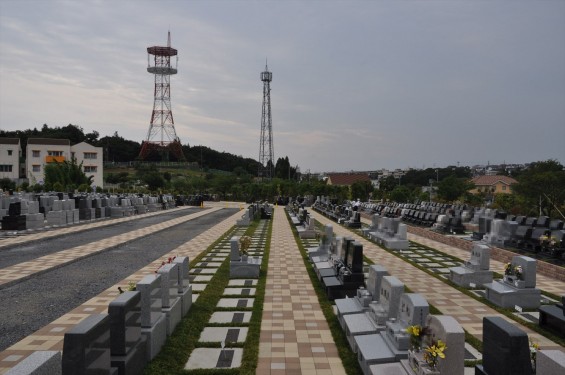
(33, 303)
(22, 253)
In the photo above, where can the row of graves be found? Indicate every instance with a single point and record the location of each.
(33, 211)
(538, 235)
(130, 335)
(516, 290)
(347, 214)
(257, 210)
(393, 333)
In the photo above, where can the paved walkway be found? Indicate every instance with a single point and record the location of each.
(468, 311)
(295, 337)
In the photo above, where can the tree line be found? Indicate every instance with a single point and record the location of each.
(540, 189)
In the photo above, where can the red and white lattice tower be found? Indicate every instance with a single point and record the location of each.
(162, 136)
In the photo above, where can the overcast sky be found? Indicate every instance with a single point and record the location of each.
(357, 85)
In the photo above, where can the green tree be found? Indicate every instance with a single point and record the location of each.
(452, 188)
(401, 194)
(542, 188)
(67, 173)
(154, 180)
(7, 184)
(361, 190)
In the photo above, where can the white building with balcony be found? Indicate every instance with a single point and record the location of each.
(42, 151)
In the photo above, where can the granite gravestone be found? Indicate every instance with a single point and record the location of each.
(128, 348)
(506, 349)
(476, 270)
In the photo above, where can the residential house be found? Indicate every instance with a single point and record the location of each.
(493, 184)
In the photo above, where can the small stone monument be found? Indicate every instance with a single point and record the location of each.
(241, 265)
(476, 270)
(518, 287)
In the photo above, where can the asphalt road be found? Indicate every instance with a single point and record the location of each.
(31, 304)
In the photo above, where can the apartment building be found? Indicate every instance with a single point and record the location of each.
(42, 151)
(10, 152)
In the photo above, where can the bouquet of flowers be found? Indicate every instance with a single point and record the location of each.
(416, 333)
(508, 269)
(434, 352)
(518, 271)
(244, 243)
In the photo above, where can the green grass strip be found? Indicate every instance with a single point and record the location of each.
(184, 340)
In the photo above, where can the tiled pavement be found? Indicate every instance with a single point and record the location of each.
(468, 311)
(295, 338)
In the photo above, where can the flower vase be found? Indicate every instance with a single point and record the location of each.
(244, 258)
(510, 279)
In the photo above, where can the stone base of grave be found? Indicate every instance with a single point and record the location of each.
(373, 349)
(211, 358)
(346, 306)
(156, 335)
(390, 369)
(507, 296)
(186, 300)
(552, 317)
(243, 222)
(335, 288)
(134, 362)
(249, 269)
(463, 276)
(357, 325)
(318, 252)
(306, 233)
(326, 271)
(173, 314)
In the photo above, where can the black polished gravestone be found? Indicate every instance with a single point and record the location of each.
(506, 349)
(128, 346)
(86, 347)
(348, 273)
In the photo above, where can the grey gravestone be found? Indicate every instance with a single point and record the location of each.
(550, 362)
(128, 348)
(389, 297)
(171, 304)
(153, 320)
(476, 270)
(450, 332)
(184, 290)
(511, 291)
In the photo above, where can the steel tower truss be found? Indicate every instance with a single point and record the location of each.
(266, 156)
(162, 135)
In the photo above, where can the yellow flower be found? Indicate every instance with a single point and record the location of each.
(413, 330)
